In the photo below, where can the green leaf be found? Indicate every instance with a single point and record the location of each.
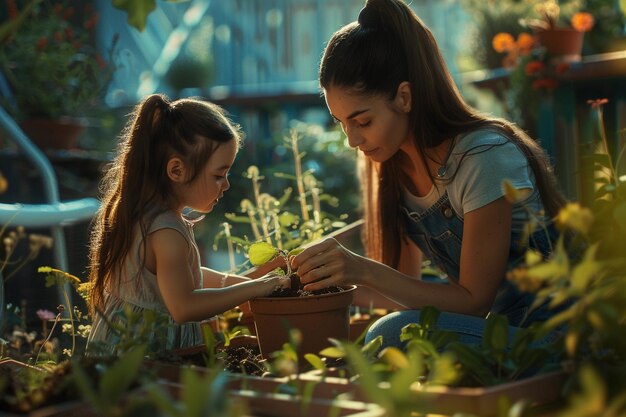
(620, 215)
(137, 10)
(368, 378)
(117, 379)
(162, 399)
(287, 219)
(261, 253)
(333, 352)
(372, 347)
(472, 362)
(85, 386)
(295, 251)
(496, 334)
(586, 270)
(445, 371)
(428, 317)
(394, 357)
(315, 361)
(425, 347)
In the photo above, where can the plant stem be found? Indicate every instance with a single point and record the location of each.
(229, 243)
(299, 178)
(253, 225)
(260, 210)
(69, 307)
(48, 336)
(612, 174)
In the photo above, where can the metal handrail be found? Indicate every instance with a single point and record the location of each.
(54, 213)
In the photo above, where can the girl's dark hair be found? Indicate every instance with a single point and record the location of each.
(388, 45)
(136, 187)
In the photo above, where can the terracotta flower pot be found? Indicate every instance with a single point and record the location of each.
(54, 134)
(318, 317)
(564, 45)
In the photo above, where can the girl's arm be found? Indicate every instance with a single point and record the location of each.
(484, 253)
(215, 279)
(176, 284)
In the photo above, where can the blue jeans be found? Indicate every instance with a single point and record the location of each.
(469, 328)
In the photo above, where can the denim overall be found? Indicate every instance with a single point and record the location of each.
(438, 232)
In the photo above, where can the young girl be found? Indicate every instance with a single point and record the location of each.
(432, 173)
(173, 155)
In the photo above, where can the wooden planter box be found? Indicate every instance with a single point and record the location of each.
(283, 405)
(311, 394)
(539, 390)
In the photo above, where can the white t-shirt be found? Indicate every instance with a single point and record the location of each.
(480, 161)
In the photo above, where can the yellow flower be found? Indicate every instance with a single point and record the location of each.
(575, 217)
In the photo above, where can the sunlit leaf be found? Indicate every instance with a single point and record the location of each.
(371, 348)
(445, 371)
(424, 346)
(333, 352)
(586, 270)
(620, 215)
(571, 342)
(314, 360)
(394, 357)
(261, 253)
(295, 251)
(137, 11)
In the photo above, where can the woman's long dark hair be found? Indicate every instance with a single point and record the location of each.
(136, 186)
(388, 45)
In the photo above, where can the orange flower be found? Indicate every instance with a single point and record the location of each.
(503, 42)
(525, 43)
(534, 67)
(561, 68)
(583, 21)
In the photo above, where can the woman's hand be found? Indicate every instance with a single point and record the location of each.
(328, 263)
(267, 268)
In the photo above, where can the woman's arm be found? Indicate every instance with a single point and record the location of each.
(175, 280)
(410, 264)
(484, 253)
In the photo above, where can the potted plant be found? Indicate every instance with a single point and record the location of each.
(316, 316)
(276, 233)
(560, 28)
(54, 69)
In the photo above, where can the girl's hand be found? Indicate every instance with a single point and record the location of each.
(328, 263)
(273, 282)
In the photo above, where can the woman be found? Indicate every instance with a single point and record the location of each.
(432, 172)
